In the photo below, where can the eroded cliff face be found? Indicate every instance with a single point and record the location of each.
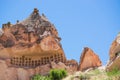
(18, 73)
(31, 47)
(31, 42)
(88, 60)
(114, 54)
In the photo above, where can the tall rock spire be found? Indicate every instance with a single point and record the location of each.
(88, 59)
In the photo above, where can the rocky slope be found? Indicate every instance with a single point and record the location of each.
(96, 74)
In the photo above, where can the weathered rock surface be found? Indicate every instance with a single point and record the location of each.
(15, 73)
(43, 70)
(30, 47)
(31, 42)
(73, 65)
(114, 54)
(88, 60)
(11, 74)
(22, 74)
(3, 68)
(58, 65)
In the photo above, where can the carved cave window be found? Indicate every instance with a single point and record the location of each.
(24, 61)
(11, 61)
(32, 63)
(51, 58)
(19, 64)
(36, 63)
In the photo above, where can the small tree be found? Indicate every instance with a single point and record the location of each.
(56, 74)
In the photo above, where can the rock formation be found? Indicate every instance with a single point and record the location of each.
(88, 60)
(31, 42)
(114, 54)
(18, 73)
(73, 65)
(31, 47)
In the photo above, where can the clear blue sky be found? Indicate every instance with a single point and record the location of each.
(80, 23)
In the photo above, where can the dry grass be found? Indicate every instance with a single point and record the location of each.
(92, 75)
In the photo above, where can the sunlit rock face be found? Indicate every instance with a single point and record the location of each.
(31, 42)
(88, 60)
(31, 47)
(114, 53)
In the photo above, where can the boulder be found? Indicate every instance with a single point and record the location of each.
(72, 64)
(88, 60)
(31, 72)
(22, 74)
(59, 65)
(43, 70)
(7, 40)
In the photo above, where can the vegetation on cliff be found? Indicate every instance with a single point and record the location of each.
(55, 74)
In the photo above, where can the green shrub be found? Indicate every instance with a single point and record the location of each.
(84, 77)
(64, 73)
(39, 77)
(115, 71)
(57, 74)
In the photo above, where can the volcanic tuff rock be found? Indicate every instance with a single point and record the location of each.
(31, 42)
(88, 60)
(73, 65)
(31, 47)
(114, 54)
(17, 73)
